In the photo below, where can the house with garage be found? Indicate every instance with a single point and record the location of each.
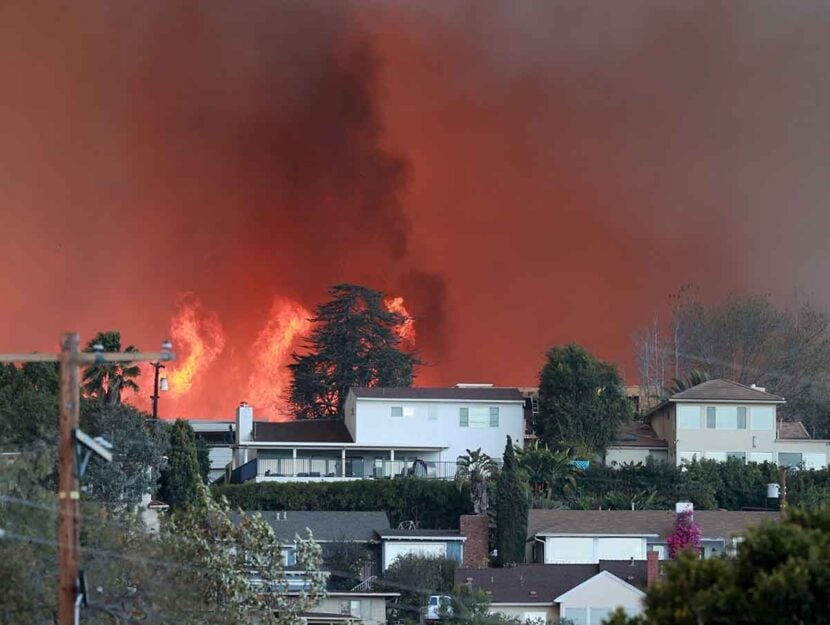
(583, 593)
(591, 536)
(717, 420)
(385, 433)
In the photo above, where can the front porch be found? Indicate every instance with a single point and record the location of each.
(307, 465)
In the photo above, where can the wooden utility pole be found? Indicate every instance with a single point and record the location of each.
(70, 443)
(68, 489)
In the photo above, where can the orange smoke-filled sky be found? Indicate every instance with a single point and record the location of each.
(522, 174)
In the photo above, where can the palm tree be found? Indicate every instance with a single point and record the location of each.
(692, 378)
(476, 469)
(546, 469)
(106, 380)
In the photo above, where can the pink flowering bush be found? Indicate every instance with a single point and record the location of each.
(686, 534)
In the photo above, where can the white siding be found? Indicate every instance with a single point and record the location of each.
(393, 550)
(436, 424)
(619, 548)
(591, 549)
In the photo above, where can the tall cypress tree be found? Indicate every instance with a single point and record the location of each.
(180, 480)
(512, 503)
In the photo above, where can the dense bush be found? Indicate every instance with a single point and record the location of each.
(432, 504)
(709, 485)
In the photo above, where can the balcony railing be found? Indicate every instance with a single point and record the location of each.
(355, 468)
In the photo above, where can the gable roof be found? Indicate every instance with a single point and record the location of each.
(714, 524)
(476, 393)
(302, 431)
(526, 583)
(792, 430)
(329, 526)
(638, 434)
(602, 575)
(725, 390)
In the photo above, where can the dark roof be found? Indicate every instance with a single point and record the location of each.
(476, 393)
(792, 430)
(303, 431)
(638, 434)
(713, 523)
(526, 583)
(327, 526)
(392, 533)
(635, 572)
(724, 390)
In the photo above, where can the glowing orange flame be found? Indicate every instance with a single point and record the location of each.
(406, 331)
(198, 339)
(269, 383)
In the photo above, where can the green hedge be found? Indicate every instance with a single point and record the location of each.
(708, 484)
(432, 504)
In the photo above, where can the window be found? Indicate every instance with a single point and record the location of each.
(354, 608)
(478, 417)
(727, 418)
(814, 461)
(736, 455)
(763, 417)
(711, 417)
(403, 411)
(598, 615)
(289, 558)
(741, 417)
(789, 458)
(760, 456)
(717, 456)
(688, 417)
(578, 616)
(432, 412)
(397, 411)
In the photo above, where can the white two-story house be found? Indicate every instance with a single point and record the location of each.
(716, 420)
(386, 432)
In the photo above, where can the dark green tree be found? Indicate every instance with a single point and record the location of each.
(28, 404)
(203, 459)
(512, 503)
(781, 574)
(416, 578)
(581, 400)
(180, 480)
(355, 342)
(138, 452)
(107, 380)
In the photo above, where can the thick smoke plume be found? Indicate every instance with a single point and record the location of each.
(521, 173)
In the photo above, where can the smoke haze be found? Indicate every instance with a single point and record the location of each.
(523, 174)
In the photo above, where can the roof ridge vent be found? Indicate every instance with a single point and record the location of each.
(474, 385)
(763, 389)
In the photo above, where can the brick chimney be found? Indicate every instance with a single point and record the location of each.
(652, 568)
(475, 528)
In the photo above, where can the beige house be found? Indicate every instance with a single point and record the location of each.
(716, 420)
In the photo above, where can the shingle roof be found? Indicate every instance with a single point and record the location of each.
(301, 431)
(725, 390)
(331, 526)
(792, 430)
(477, 393)
(638, 434)
(526, 583)
(713, 523)
(393, 533)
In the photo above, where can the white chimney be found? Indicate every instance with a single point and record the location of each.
(244, 423)
(684, 506)
(763, 389)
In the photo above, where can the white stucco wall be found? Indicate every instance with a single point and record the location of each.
(601, 593)
(591, 549)
(526, 611)
(436, 423)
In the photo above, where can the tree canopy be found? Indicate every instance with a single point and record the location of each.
(581, 400)
(781, 574)
(355, 342)
(749, 340)
(180, 479)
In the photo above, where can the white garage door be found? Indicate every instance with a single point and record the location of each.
(392, 551)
